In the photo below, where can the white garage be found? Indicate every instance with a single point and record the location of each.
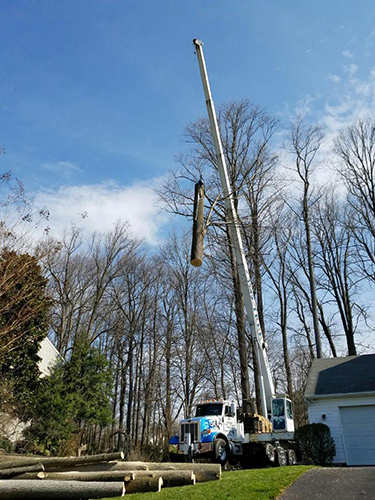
(358, 434)
(340, 393)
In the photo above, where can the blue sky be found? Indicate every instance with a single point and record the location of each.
(95, 95)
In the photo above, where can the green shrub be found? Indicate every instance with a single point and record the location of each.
(6, 445)
(316, 444)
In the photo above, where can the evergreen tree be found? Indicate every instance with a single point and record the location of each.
(24, 309)
(74, 399)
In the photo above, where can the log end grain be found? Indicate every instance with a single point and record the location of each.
(144, 485)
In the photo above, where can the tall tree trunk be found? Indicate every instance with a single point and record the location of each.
(310, 263)
(247, 404)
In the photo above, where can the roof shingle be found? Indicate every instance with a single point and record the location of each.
(352, 374)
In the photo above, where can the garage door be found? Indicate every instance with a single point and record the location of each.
(358, 427)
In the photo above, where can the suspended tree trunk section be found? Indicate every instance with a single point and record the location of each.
(198, 226)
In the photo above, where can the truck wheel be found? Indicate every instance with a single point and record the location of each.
(220, 451)
(281, 457)
(270, 453)
(292, 457)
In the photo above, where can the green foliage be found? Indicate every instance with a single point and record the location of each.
(6, 445)
(24, 307)
(316, 444)
(75, 397)
(256, 484)
(88, 379)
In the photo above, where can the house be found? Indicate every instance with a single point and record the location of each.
(340, 393)
(49, 356)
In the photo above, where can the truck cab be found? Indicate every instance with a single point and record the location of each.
(282, 415)
(211, 430)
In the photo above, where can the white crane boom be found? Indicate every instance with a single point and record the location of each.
(265, 378)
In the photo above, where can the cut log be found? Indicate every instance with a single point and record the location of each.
(105, 466)
(21, 470)
(170, 477)
(115, 475)
(203, 472)
(145, 473)
(31, 475)
(144, 485)
(59, 461)
(12, 489)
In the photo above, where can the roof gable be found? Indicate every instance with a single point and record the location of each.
(349, 375)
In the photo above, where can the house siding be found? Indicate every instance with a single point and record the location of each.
(330, 407)
(49, 356)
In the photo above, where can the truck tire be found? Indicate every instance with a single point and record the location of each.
(270, 454)
(220, 452)
(292, 457)
(281, 457)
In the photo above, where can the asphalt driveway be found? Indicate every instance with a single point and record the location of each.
(343, 483)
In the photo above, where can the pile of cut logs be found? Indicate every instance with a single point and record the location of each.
(93, 476)
(254, 423)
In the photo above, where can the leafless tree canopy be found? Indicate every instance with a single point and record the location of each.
(175, 334)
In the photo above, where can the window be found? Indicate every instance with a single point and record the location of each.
(278, 408)
(228, 410)
(289, 412)
(214, 409)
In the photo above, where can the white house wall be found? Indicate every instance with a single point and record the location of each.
(49, 356)
(331, 409)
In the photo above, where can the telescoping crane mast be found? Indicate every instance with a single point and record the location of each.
(265, 379)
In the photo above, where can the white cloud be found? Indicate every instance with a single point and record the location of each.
(355, 99)
(304, 106)
(105, 204)
(348, 54)
(334, 78)
(351, 68)
(63, 168)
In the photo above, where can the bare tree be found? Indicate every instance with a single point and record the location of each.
(336, 261)
(300, 279)
(304, 144)
(355, 149)
(186, 282)
(80, 273)
(246, 132)
(278, 273)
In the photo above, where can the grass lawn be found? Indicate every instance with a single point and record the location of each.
(254, 484)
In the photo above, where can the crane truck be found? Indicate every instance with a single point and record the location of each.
(220, 430)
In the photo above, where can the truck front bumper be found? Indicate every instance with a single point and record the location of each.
(196, 448)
